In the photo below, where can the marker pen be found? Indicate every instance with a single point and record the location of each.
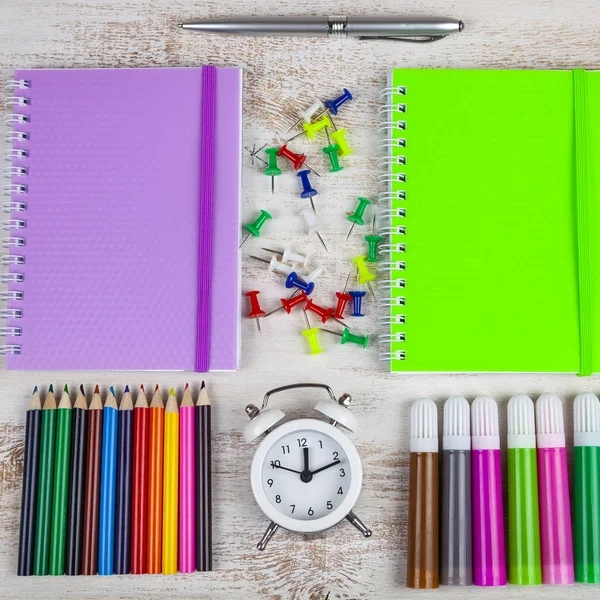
(586, 458)
(553, 487)
(423, 546)
(524, 562)
(455, 531)
(489, 560)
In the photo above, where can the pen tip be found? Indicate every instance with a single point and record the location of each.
(126, 389)
(461, 26)
(97, 389)
(181, 24)
(202, 386)
(51, 389)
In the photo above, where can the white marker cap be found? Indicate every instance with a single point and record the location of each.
(521, 422)
(457, 424)
(586, 420)
(484, 423)
(549, 424)
(423, 426)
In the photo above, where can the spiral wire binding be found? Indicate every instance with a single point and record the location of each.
(14, 102)
(392, 217)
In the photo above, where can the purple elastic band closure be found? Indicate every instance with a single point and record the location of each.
(207, 155)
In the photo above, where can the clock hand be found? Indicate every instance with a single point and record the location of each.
(306, 475)
(286, 469)
(306, 467)
(335, 462)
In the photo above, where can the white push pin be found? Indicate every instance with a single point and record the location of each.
(313, 275)
(275, 265)
(307, 115)
(289, 256)
(312, 224)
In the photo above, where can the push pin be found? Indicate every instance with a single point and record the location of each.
(289, 256)
(311, 337)
(347, 337)
(343, 299)
(311, 129)
(322, 312)
(307, 115)
(333, 106)
(307, 190)
(364, 275)
(254, 228)
(373, 242)
(332, 153)
(274, 265)
(357, 215)
(255, 311)
(272, 169)
(312, 225)
(315, 273)
(294, 280)
(339, 138)
(357, 296)
(287, 304)
(297, 160)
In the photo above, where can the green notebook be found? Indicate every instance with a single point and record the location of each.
(494, 220)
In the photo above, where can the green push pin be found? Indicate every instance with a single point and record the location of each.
(272, 169)
(347, 337)
(357, 215)
(332, 153)
(254, 228)
(373, 241)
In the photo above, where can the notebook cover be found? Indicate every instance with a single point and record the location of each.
(491, 231)
(111, 243)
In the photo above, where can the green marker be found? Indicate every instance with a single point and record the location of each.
(524, 560)
(586, 458)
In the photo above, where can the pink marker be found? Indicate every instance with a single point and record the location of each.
(489, 560)
(553, 491)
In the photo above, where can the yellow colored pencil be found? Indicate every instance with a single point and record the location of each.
(171, 486)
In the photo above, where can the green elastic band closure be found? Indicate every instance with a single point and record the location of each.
(583, 226)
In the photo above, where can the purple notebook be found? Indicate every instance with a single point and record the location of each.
(125, 208)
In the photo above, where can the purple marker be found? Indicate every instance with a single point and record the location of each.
(489, 561)
(553, 486)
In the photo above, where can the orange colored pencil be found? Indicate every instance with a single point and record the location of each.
(155, 483)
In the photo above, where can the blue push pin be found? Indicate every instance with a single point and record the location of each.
(357, 297)
(293, 280)
(307, 190)
(334, 105)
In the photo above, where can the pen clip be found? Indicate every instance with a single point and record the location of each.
(398, 38)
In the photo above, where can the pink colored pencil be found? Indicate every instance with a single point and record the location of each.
(187, 492)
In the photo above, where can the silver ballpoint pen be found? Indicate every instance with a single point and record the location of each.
(408, 29)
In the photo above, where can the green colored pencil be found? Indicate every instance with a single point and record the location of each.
(45, 480)
(61, 485)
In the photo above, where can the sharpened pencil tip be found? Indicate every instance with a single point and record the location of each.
(187, 385)
(156, 388)
(126, 389)
(35, 390)
(51, 388)
(202, 386)
(66, 389)
(112, 390)
(97, 389)
(142, 388)
(81, 389)
(171, 392)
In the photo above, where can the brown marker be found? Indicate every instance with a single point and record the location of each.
(422, 569)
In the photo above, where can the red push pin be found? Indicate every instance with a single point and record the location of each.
(289, 303)
(324, 313)
(343, 299)
(255, 310)
(298, 160)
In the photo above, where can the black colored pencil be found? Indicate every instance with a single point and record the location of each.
(122, 564)
(76, 485)
(30, 480)
(203, 483)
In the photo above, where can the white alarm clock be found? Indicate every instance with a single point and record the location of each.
(306, 474)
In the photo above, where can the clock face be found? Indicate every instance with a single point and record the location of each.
(306, 475)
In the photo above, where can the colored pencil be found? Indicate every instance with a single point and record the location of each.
(45, 481)
(203, 482)
(170, 486)
(60, 493)
(30, 484)
(155, 483)
(76, 486)
(139, 493)
(108, 479)
(123, 500)
(89, 553)
(187, 511)
(423, 502)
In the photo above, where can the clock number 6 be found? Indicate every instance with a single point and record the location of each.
(311, 512)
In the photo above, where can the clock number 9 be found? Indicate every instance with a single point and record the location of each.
(270, 482)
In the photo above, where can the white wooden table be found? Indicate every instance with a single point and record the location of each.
(280, 76)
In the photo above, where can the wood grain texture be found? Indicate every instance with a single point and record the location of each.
(281, 76)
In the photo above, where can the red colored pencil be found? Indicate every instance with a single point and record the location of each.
(139, 491)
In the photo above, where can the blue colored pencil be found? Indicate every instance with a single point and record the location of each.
(106, 534)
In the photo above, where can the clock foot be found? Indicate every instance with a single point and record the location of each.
(358, 524)
(269, 533)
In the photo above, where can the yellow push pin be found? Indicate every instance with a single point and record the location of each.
(311, 337)
(364, 275)
(339, 137)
